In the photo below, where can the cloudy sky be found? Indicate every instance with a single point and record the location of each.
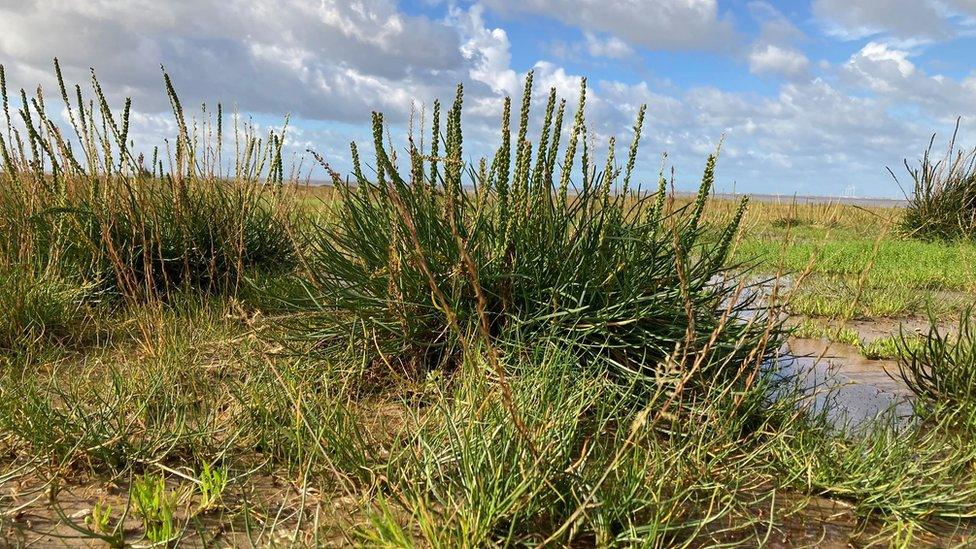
(812, 97)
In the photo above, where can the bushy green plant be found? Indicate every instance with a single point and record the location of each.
(942, 204)
(212, 482)
(104, 215)
(411, 263)
(156, 506)
(156, 237)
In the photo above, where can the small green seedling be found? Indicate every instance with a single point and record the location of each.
(212, 484)
(99, 519)
(156, 506)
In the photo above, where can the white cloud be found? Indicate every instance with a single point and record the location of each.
(890, 73)
(773, 52)
(968, 6)
(330, 59)
(775, 28)
(880, 68)
(655, 24)
(611, 47)
(333, 61)
(486, 49)
(770, 59)
(851, 20)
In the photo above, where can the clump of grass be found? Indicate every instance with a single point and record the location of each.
(163, 237)
(942, 204)
(789, 222)
(412, 264)
(811, 329)
(38, 307)
(892, 346)
(942, 370)
(97, 212)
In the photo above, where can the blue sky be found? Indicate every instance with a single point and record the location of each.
(810, 97)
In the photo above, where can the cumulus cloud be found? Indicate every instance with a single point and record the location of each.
(486, 49)
(775, 28)
(770, 59)
(879, 67)
(329, 62)
(655, 24)
(773, 52)
(967, 6)
(890, 73)
(331, 59)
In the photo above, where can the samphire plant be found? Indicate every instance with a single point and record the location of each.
(412, 261)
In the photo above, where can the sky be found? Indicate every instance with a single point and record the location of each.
(809, 97)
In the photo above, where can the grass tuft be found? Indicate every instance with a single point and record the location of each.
(942, 370)
(942, 204)
(415, 266)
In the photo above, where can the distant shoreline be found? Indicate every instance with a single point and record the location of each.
(812, 199)
(770, 198)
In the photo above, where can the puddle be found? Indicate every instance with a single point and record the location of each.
(851, 391)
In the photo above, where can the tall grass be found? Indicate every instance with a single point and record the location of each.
(77, 198)
(413, 263)
(942, 204)
(941, 370)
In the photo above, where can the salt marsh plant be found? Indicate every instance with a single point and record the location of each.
(415, 262)
(156, 506)
(79, 200)
(942, 203)
(941, 370)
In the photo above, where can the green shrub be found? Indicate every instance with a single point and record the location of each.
(408, 264)
(157, 236)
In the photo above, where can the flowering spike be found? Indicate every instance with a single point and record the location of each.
(571, 146)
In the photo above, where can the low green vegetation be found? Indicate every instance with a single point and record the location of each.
(528, 351)
(848, 262)
(884, 347)
(810, 329)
